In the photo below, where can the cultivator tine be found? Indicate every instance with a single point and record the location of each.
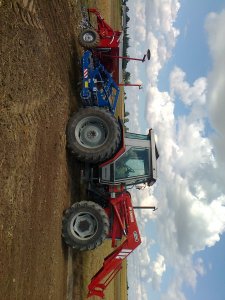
(85, 22)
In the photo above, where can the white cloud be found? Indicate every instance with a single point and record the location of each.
(188, 94)
(191, 188)
(174, 292)
(155, 64)
(216, 90)
(158, 269)
(162, 35)
(191, 210)
(134, 126)
(140, 31)
(193, 148)
(199, 266)
(152, 22)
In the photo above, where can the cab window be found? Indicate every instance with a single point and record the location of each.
(133, 163)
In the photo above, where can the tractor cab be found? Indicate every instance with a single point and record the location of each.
(134, 164)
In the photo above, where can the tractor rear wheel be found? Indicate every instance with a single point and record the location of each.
(93, 135)
(89, 38)
(85, 226)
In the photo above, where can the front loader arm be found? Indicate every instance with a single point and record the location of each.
(113, 262)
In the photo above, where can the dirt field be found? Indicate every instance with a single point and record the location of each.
(38, 92)
(37, 88)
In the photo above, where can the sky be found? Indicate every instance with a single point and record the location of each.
(182, 255)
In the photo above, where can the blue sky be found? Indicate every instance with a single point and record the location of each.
(183, 251)
(211, 286)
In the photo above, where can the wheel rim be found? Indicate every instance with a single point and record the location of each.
(91, 132)
(88, 37)
(84, 225)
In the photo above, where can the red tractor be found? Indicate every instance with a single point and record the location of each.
(115, 161)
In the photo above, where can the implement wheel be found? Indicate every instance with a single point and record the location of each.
(85, 226)
(93, 135)
(89, 38)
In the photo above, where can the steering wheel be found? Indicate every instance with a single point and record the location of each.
(129, 169)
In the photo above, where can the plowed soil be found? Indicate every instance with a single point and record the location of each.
(39, 72)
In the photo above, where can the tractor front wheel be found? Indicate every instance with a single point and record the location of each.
(89, 38)
(85, 226)
(93, 135)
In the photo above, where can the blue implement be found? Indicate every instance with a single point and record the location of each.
(98, 87)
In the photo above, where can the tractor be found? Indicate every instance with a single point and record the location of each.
(114, 161)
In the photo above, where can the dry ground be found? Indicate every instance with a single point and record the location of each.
(39, 72)
(37, 89)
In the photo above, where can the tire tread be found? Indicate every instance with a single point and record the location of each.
(90, 245)
(87, 45)
(95, 156)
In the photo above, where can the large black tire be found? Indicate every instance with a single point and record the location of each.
(93, 134)
(85, 226)
(89, 38)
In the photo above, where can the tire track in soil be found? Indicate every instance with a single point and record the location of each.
(37, 89)
(26, 9)
(37, 115)
(63, 29)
